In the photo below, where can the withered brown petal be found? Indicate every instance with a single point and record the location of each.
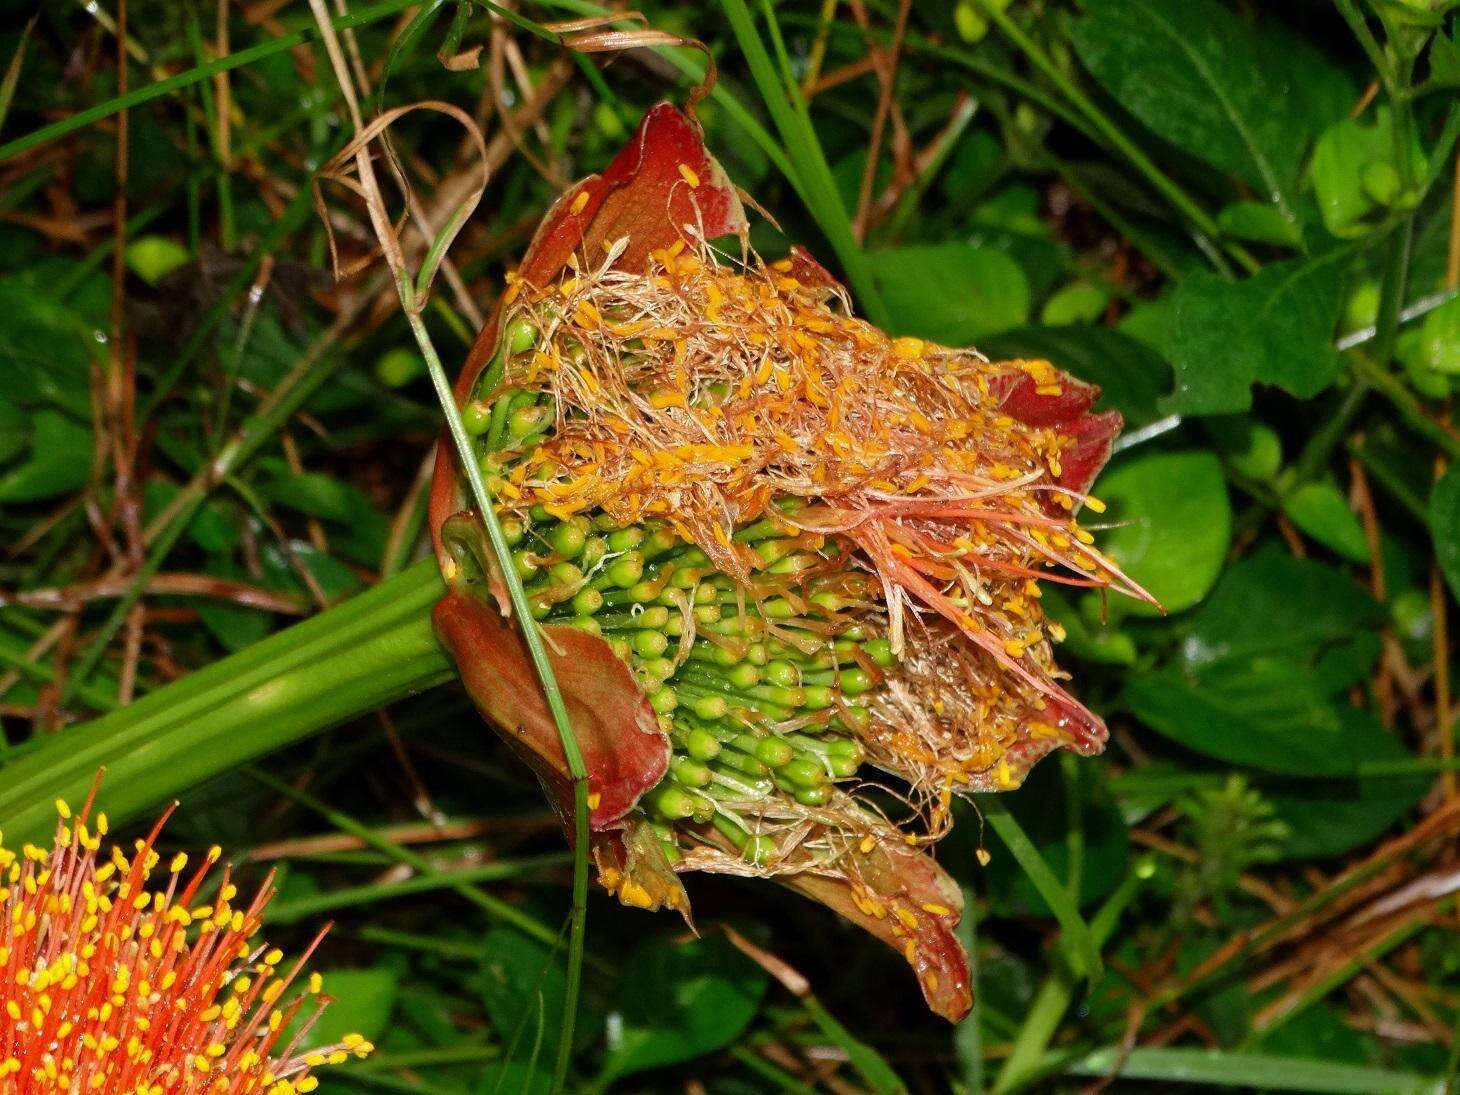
(905, 899)
(623, 749)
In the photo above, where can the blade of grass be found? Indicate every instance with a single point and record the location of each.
(492, 906)
(1249, 1070)
(369, 651)
(811, 174)
(81, 119)
(1080, 946)
(1057, 992)
(486, 513)
(12, 70)
(290, 912)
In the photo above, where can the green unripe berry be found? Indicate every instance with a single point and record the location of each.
(593, 552)
(880, 651)
(813, 796)
(743, 676)
(521, 336)
(710, 708)
(569, 538)
(803, 772)
(649, 644)
(475, 418)
(663, 700)
(587, 601)
(689, 772)
(626, 570)
(525, 564)
(625, 539)
(782, 674)
(758, 850)
(701, 745)
(671, 803)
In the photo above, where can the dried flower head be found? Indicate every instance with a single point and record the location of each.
(771, 547)
(121, 976)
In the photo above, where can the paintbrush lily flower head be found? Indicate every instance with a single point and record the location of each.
(123, 973)
(772, 549)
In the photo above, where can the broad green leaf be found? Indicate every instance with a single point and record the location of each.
(1438, 345)
(1202, 79)
(1320, 511)
(1445, 527)
(1131, 377)
(363, 1002)
(679, 1000)
(1078, 302)
(951, 292)
(1248, 447)
(1260, 223)
(1345, 156)
(1269, 604)
(522, 984)
(1267, 713)
(1329, 817)
(1276, 327)
(1171, 525)
(59, 460)
(13, 439)
(45, 351)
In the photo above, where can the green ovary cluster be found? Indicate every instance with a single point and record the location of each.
(767, 695)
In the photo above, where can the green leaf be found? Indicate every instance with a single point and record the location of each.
(1269, 604)
(951, 293)
(1079, 944)
(1445, 61)
(1267, 713)
(1276, 327)
(1171, 525)
(1320, 511)
(522, 982)
(1260, 223)
(1445, 527)
(59, 460)
(1438, 346)
(45, 351)
(363, 1002)
(1202, 79)
(1330, 817)
(1132, 377)
(13, 440)
(679, 1000)
(1343, 158)
(1078, 302)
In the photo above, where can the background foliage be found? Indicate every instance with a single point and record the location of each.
(1239, 221)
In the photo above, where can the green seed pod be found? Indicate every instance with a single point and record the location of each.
(688, 772)
(663, 700)
(569, 538)
(475, 417)
(701, 744)
(803, 772)
(743, 676)
(671, 802)
(586, 602)
(521, 336)
(782, 674)
(625, 539)
(710, 708)
(813, 796)
(880, 651)
(594, 550)
(626, 570)
(649, 644)
(770, 750)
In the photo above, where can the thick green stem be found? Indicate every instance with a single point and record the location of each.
(369, 651)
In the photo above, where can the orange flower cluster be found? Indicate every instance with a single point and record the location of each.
(117, 975)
